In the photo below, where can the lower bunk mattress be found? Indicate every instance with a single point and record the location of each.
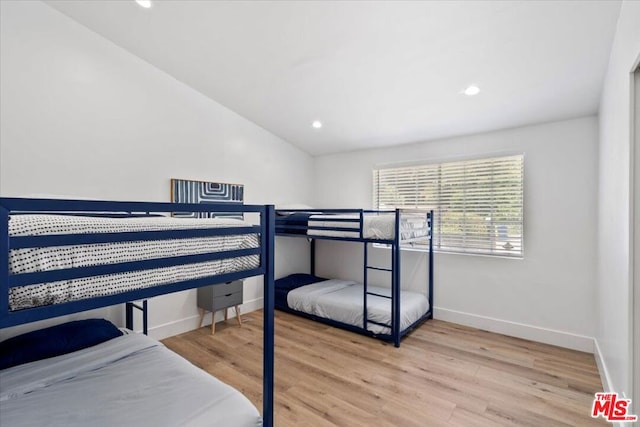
(342, 301)
(131, 380)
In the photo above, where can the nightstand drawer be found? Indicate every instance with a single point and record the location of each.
(227, 288)
(229, 300)
(212, 298)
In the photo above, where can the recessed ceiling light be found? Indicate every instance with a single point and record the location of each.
(317, 124)
(472, 90)
(144, 3)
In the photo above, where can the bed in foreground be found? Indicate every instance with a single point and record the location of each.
(127, 380)
(60, 257)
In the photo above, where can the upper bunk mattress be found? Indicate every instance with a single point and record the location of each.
(342, 301)
(375, 226)
(60, 257)
(129, 380)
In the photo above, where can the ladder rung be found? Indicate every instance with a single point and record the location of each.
(378, 268)
(378, 295)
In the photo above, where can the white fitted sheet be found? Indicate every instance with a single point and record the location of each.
(342, 301)
(131, 380)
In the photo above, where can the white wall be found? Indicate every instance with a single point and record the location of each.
(613, 285)
(548, 295)
(80, 116)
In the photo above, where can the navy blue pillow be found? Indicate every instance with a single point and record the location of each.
(56, 340)
(293, 281)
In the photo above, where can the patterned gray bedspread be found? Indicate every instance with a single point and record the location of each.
(45, 259)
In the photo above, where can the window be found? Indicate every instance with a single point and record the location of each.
(478, 204)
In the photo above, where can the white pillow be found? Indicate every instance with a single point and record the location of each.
(286, 209)
(64, 197)
(57, 196)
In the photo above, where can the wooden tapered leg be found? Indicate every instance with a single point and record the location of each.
(213, 322)
(226, 311)
(238, 315)
(201, 311)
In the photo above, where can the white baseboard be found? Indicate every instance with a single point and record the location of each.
(519, 330)
(190, 323)
(505, 327)
(607, 387)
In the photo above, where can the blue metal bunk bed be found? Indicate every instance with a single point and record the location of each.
(358, 225)
(263, 251)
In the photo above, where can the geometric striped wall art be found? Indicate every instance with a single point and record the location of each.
(189, 191)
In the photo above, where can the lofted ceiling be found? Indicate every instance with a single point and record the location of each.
(375, 73)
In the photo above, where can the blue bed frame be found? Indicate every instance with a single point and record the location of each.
(285, 228)
(9, 206)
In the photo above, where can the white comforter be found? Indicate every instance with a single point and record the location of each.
(342, 301)
(131, 380)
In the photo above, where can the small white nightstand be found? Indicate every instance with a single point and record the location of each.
(220, 297)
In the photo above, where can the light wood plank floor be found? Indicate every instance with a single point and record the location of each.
(442, 375)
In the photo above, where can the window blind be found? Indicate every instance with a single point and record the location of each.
(478, 204)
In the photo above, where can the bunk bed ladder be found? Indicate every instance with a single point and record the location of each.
(366, 293)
